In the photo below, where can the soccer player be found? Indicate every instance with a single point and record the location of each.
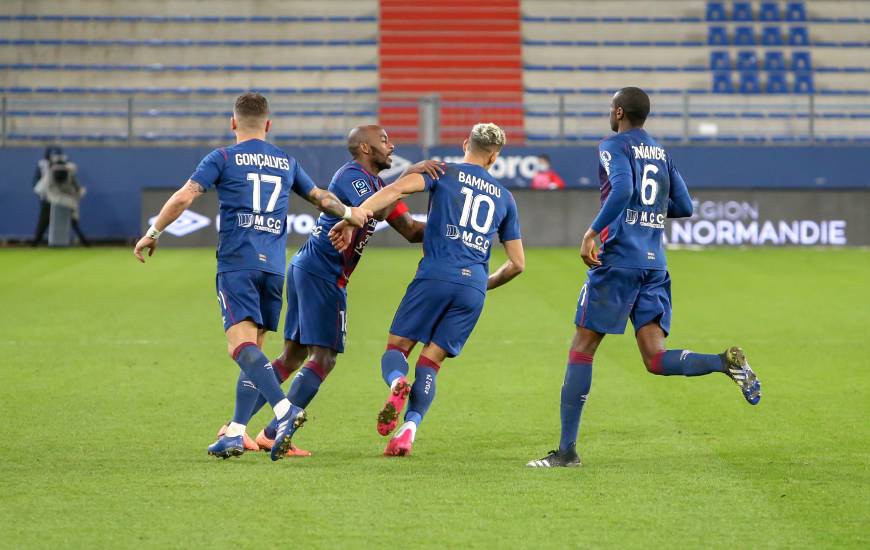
(317, 278)
(253, 179)
(467, 209)
(628, 276)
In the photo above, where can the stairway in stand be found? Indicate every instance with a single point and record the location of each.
(469, 54)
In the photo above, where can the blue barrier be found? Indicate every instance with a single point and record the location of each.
(115, 176)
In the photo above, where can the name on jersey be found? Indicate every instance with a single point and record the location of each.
(653, 220)
(260, 160)
(648, 152)
(261, 223)
(480, 184)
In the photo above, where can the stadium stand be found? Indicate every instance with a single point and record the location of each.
(726, 70)
(783, 69)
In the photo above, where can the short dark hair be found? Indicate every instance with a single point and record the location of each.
(634, 103)
(544, 156)
(251, 106)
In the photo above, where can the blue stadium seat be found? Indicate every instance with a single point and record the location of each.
(803, 83)
(716, 11)
(720, 60)
(750, 83)
(717, 36)
(771, 35)
(769, 11)
(774, 60)
(744, 36)
(798, 36)
(776, 83)
(747, 60)
(801, 61)
(741, 11)
(722, 82)
(795, 11)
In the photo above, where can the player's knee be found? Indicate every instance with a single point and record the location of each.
(652, 361)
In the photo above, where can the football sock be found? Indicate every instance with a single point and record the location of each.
(575, 389)
(394, 364)
(305, 384)
(423, 389)
(686, 363)
(258, 369)
(247, 395)
(235, 429)
(281, 373)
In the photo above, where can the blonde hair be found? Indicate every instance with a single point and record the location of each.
(487, 137)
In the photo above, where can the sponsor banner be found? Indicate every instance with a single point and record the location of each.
(721, 218)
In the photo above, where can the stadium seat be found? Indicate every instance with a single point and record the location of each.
(717, 36)
(776, 83)
(795, 11)
(771, 35)
(750, 83)
(747, 60)
(801, 61)
(774, 60)
(716, 11)
(803, 83)
(769, 11)
(741, 11)
(744, 36)
(722, 82)
(720, 60)
(798, 36)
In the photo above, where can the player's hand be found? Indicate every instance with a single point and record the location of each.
(145, 243)
(341, 235)
(435, 168)
(588, 251)
(359, 216)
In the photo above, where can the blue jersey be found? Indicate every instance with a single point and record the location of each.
(640, 187)
(467, 208)
(352, 184)
(253, 179)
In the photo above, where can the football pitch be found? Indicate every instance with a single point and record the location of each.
(114, 378)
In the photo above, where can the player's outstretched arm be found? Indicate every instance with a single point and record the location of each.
(327, 202)
(177, 203)
(408, 227)
(435, 169)
(515, 264)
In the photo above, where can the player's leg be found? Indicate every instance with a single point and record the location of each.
(451, 329)
(288, 362)
(602, 308)
(394, 370)
(415, 320)
(421, 396)
(652, 313)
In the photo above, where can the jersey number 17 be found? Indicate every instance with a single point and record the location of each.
(256, 178)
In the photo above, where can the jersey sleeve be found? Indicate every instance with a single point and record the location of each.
(615, 161)
(509, 230)
(302, 184)
(208, 172)
(353, 187)
(429, 182)
(679, 201)
(399, 210)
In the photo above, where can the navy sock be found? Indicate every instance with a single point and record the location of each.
(575, 388)
(305, 384)
(686, 363)
(257, 368)
(394, 364)
(247, 395)
(281, 373)
(423, 389)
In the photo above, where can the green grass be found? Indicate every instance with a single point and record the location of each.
(114, 378)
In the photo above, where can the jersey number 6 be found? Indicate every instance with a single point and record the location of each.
(649, 185)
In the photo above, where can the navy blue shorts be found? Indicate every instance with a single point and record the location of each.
(316, 310)
(250, 294)
(613, 294)
(438, 311)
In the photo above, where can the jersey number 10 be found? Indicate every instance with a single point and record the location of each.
(255, 178)
(471, 211)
